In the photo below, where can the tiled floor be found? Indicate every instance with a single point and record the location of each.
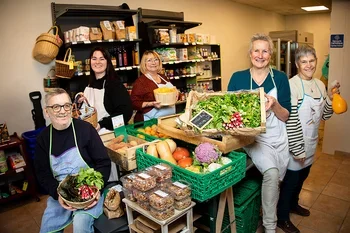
(326, 192)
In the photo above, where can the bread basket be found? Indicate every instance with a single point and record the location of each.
(77, 205)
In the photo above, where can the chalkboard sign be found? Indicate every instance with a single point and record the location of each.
(201, 119)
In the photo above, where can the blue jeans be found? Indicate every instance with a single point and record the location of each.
(83, 223)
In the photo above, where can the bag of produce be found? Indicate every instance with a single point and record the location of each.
(225, 113)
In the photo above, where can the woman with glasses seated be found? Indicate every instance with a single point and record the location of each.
(105, 91)
(142, 95)
(62, 149)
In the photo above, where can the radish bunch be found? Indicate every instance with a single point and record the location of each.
(86, 192)
(236, 121)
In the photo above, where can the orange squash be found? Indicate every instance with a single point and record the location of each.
(339, 105)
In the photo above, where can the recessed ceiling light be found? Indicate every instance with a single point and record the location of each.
(315, 8)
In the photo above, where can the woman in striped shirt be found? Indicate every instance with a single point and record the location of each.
(311, 103)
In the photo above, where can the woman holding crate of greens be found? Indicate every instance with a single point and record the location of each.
(64, 148)
(270, 152)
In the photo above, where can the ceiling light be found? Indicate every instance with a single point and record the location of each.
(315, 8)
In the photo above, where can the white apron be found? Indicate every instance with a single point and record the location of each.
(95, 98)
(310, 115)
(270, 149)
(164, 111)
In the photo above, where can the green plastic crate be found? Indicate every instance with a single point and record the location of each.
(132, 129)
(245, 189)
(204, 186)
(247, 215)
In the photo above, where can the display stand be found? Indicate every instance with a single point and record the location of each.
(226, 196)
(132, 206)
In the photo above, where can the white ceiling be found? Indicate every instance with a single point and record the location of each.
(286, 7)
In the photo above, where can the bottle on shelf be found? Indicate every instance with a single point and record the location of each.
(125, 56)
(135, 56)
(120, 57)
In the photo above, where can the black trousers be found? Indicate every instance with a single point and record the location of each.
(289, 192)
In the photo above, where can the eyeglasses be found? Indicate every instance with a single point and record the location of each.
(156, 60)
(57, 108)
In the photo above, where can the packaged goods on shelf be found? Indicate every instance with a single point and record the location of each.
(131, 33)
(83, 33)
(16, 161)
(181, 38)
(162, 36)
(95, 33)
(144, 182)
(183, 203)
(180, 190)
(199, 38)
(182, 54)
(108, 30)
(161, 200)
(120, 31)
(167, 54)
(162, 172)
(162, 214)
(191, 38)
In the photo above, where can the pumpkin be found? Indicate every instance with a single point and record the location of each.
(339, 105)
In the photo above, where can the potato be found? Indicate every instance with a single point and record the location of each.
(133, 143)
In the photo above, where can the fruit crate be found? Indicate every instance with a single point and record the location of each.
(207, 185)
(134, 130)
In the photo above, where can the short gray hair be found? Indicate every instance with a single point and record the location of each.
(53, 92)
(263, 37)
(304, 50)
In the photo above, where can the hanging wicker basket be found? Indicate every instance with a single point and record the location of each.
(50, 81)
(65, 68)
(47, 46)
(83, 115)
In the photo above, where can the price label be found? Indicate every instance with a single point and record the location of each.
(99, 41)
(74, 42)
(185, 43)
(19, 170)
(87, 42)
(144, 175)
(160, 167)
(161, 193)
(110, 40)
(180, 185)
(202, 119)
(129, 67)
(122, 40)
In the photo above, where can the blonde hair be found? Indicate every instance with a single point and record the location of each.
(263, 37)
(144, 58)
(53, 92)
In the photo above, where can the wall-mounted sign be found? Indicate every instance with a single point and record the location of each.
(337, 40)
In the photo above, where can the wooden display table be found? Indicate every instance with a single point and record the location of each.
(132, 206)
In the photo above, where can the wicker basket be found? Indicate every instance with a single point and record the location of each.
(92, 119)
(65, 68)
(47, 46)
(77, 205)
(50, 81)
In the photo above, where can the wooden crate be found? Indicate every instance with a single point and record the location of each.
(226, 144)
(126, 161)
(194, 97)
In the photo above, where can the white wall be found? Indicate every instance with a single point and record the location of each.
(319, 25)
(21, 21)
(338, 127)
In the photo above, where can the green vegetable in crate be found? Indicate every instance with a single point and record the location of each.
(231, 111)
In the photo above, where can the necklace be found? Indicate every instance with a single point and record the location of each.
(309, 83)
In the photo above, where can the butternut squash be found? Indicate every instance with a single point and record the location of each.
(172, 145)
(164, 152)
(152, 150)
(339, 105)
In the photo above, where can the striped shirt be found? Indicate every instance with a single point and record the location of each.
(315, 89)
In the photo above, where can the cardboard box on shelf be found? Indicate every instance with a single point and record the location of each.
(16, 161)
